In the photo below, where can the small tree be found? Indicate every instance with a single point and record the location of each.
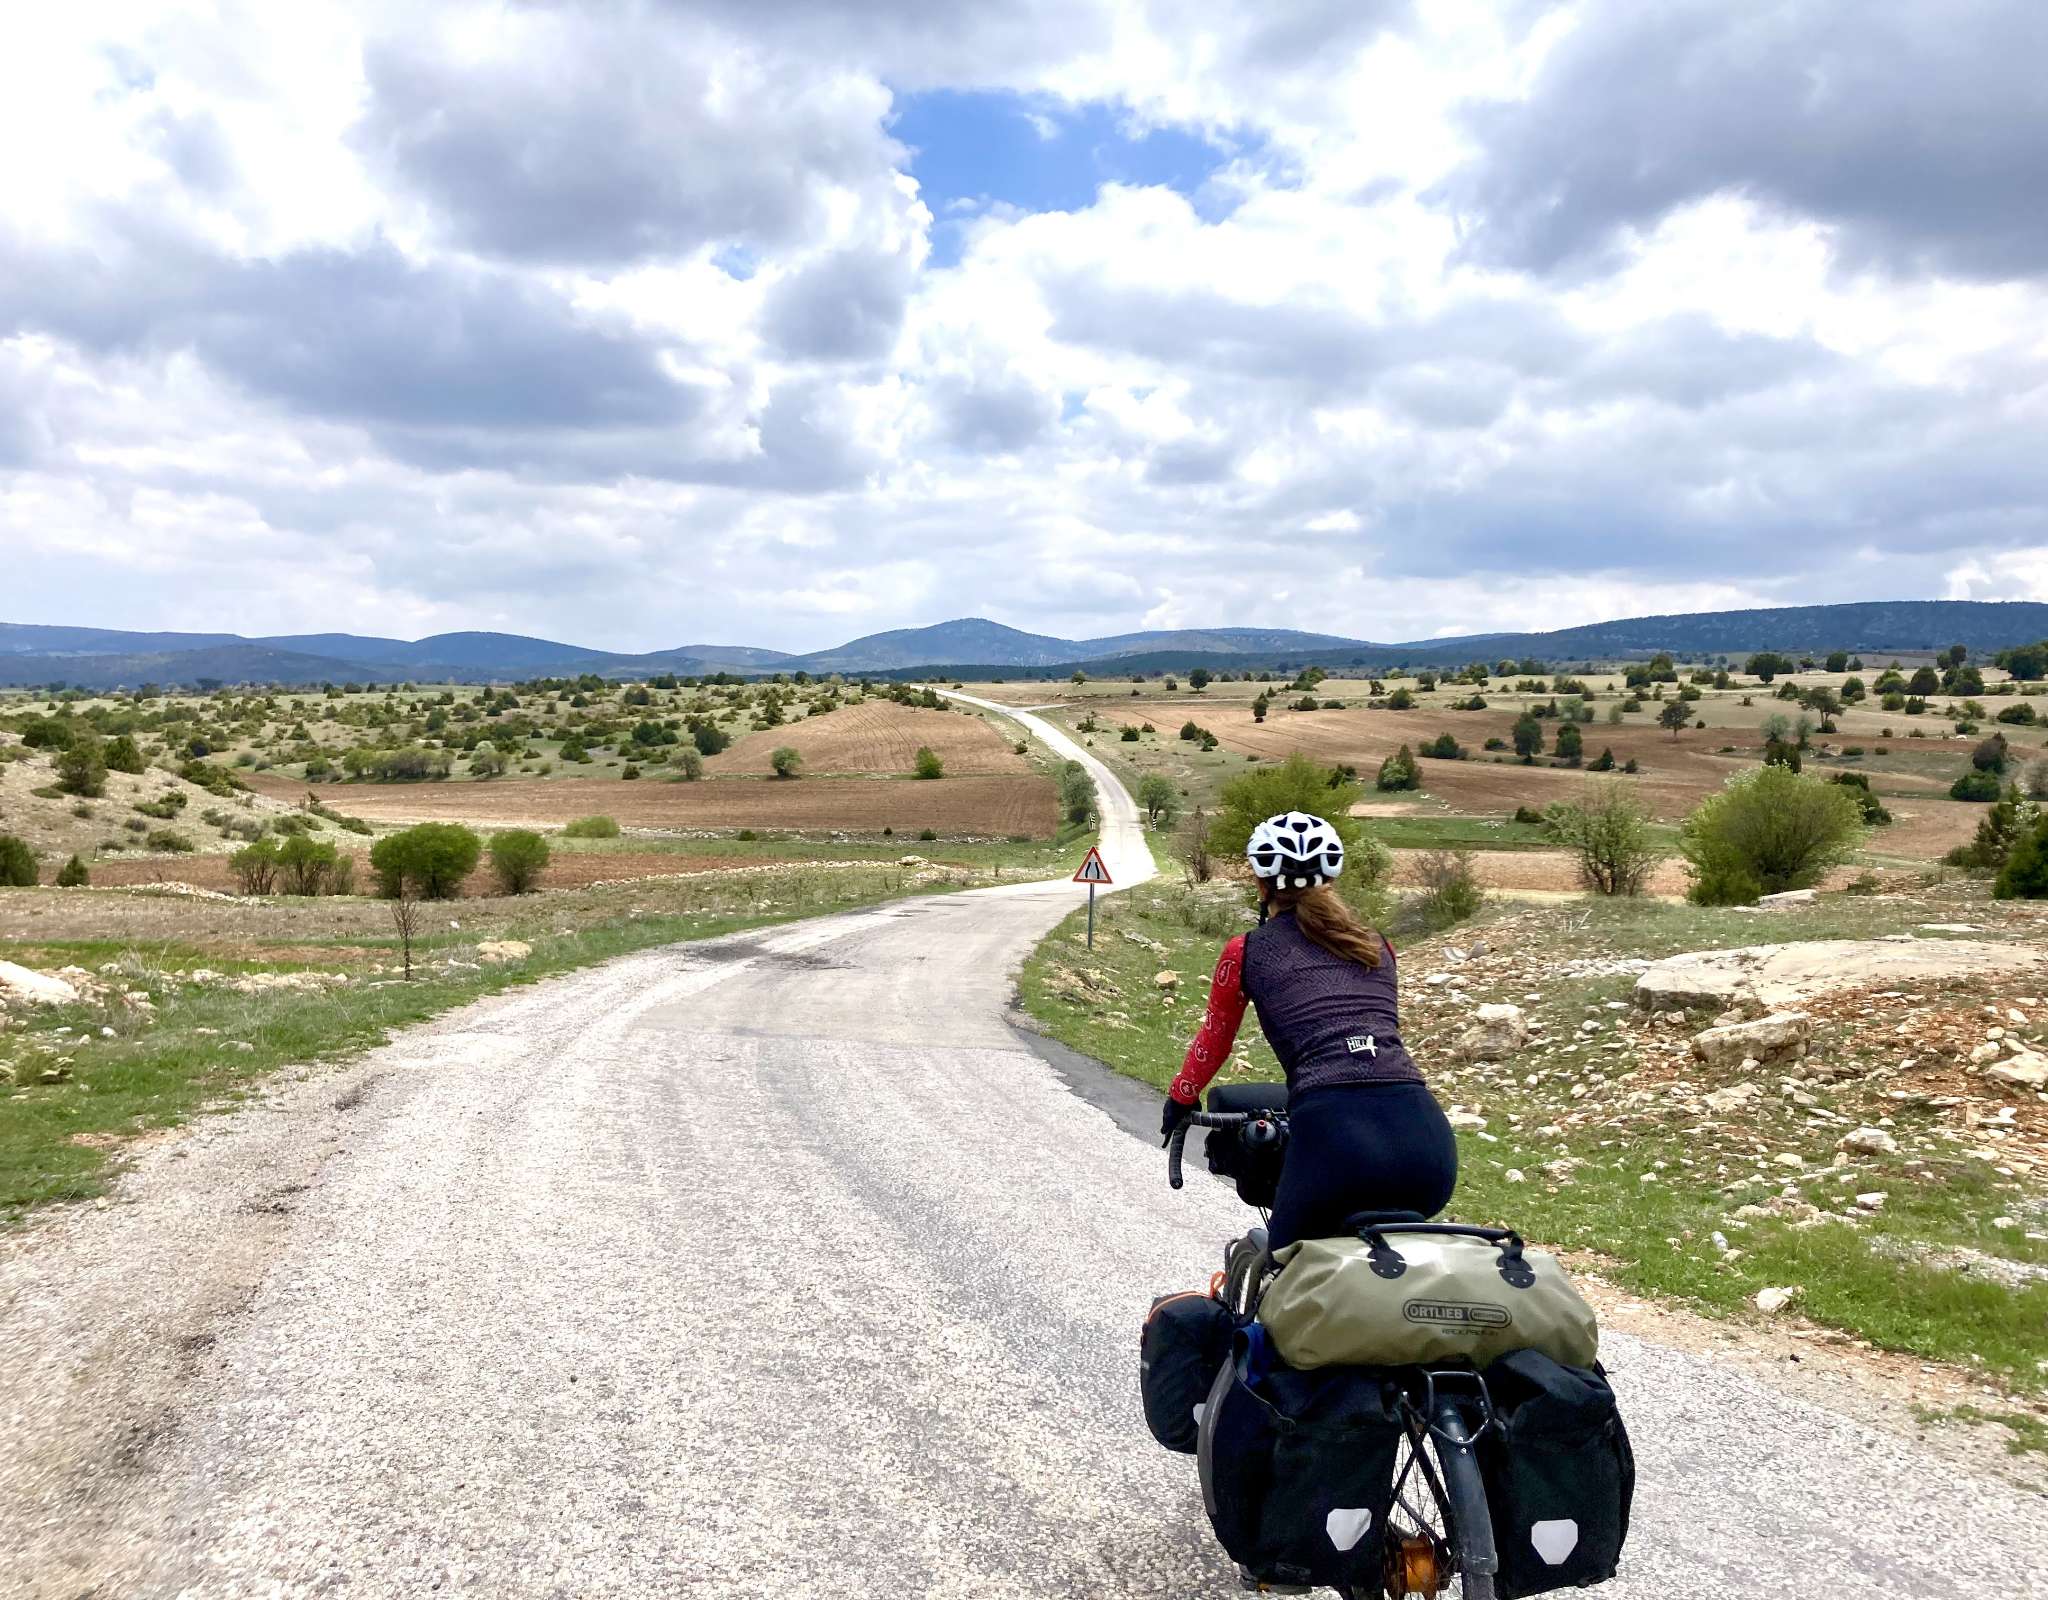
(1158, 796)
(82, 769)
(1769, 830)
(518, 857)
(1611, 835)
(2025, 873)
(709, 738)
(1192, 847)
(1675, 715)
(255, 867)
(785, 761)
(306, 866)
(488, 761)
(1450, 892)
(1990, 756)
(1528, 737)
(1199, 679)
(1260, 706)
(929, 765)
(1571, 745)
(688, 763)
(405, 921)
(1399, 771)
(73, 874)
(1299, 784)
(17, 863)
(1999, 831)
(431, 859)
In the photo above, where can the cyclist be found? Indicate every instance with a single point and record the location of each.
(1365, 1132)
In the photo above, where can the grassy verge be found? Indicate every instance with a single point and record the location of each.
(159, 1047)
(1594, 1140)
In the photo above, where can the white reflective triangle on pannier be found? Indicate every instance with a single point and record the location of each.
(1554, 1541)
(1200, 1407)
(1347, 1525)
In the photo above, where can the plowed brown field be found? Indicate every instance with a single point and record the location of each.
(568, 870)
(992, 806)
(878, 737)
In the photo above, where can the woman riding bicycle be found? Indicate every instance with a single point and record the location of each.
(1365, 1132)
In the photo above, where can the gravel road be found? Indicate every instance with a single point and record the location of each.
(769, 1266)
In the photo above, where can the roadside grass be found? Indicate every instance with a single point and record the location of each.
(1594, 1142)
(127, 1070)
(2026, 1435)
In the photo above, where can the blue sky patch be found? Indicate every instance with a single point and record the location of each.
(971, 150)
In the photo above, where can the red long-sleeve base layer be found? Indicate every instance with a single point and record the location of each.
(1219, 1027)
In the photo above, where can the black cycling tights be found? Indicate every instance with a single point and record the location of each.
(1362, 1147)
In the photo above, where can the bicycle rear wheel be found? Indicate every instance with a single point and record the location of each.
(1439, 1537)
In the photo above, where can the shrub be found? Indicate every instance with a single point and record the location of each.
(1603, 762)
(164, 807)
(1974, 785)
(1444, 747)
(82, 769)
(488, 761)
(170, 842)
(629, 774)
(2025, 874)
(1401, 700)
(1529, 814)
(73, 874)
(709, 738)
(1610, 835)
(1398, 772)
(1077, 794)
(927, 835)
(17, 863)
(785, 761)
(47, 733)
(1128, 734)
(1450, 893)
(929, 765)
(1571, 744)
(255, 868)
(1307, 702)
(123, 755)
(1769, 830)
(1858, 784)
(1158, 796)
(430, 860)
(1528, 737)
(518, 856)
(2021, 714)
(1299, 784)
(591, 828)
(309, 867)
(1991, 755)
(2037, 779)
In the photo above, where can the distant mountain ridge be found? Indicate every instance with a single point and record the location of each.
(101, 658)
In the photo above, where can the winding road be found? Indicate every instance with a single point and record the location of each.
(775, 1265)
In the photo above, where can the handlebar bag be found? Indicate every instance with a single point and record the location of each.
(1297, 1471)
(1185, 1342)
(1560, 1476)
(1256, 1172)
(1407, 1294)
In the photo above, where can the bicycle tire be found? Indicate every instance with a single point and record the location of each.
(1444, 1476)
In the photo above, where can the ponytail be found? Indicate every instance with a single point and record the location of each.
(1329, 922)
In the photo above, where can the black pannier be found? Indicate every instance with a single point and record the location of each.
(1559, 1474)
(1255, 1171)
(1186, 1339)
(1297, 1470)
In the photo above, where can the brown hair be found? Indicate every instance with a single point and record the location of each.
(1329, 922)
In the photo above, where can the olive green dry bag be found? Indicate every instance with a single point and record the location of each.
(1413, 1293)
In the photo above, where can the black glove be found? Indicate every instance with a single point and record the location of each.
(1172, 1115)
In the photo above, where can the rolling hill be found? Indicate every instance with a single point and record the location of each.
(102, 658)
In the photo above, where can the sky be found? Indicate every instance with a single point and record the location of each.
(639, 323)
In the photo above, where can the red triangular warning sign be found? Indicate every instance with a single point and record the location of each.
(1092, 869)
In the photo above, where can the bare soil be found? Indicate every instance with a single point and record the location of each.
(876, 738)
(566, 870)
(995, 806)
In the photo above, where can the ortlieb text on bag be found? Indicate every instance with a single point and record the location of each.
(1186, 1340)
(1422, 1292)
(1559, 1474)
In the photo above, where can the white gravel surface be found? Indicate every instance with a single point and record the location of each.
(769, 1266)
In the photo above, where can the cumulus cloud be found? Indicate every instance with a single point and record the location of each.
(621, 321)
(1919, 133)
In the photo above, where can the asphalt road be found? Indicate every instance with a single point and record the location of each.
(779, 1265)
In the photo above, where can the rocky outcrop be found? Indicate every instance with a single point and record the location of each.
(1779, 976)
(23, 986)
(1497, 1031)
(1779, 1037)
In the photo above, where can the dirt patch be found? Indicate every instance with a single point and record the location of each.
(992, 806)
(876, 738)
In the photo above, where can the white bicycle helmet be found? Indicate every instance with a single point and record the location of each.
(1296, 850)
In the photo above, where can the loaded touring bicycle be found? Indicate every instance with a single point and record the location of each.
(1413, 1409)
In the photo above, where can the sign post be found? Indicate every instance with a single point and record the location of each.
(1092, 872)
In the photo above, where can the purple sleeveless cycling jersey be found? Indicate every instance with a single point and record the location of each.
(1329, 1020)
